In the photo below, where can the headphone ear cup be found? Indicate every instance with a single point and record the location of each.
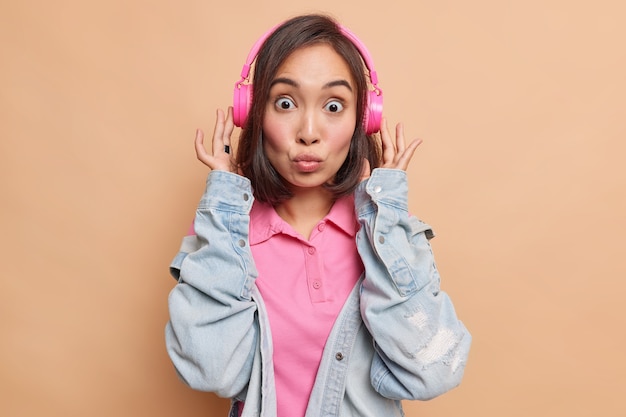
(242, 99)
(374, 113)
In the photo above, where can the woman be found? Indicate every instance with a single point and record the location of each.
(306, 287)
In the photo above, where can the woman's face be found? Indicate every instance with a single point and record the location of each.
(310, 116)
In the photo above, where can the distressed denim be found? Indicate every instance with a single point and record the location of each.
(396, 338)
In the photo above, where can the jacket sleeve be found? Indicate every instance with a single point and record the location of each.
(421, 347)
(212, 334)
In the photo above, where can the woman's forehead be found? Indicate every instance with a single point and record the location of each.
(315, 61)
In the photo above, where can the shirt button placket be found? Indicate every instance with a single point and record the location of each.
(313, 275)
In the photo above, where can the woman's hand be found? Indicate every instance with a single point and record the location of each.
(220, 159)
(395, 155)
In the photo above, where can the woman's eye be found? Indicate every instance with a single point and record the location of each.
(334, 107)
(284, 103)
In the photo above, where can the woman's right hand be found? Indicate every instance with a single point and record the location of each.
(219, 159)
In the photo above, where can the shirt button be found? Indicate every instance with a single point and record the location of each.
(381, 239)
(317, 284)
(321, 227)
(311, 250)
(378, 189)
(246, 197)
(339, 356)
(241, 243)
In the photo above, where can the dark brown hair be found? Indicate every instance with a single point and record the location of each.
(294, 34)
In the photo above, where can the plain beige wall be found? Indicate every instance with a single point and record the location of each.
(522, 109)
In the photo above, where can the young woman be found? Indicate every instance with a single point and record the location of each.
(306, 287)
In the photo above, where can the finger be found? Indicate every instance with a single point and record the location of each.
(201, 152)
(218, 133)
(400, 146)
(389, 151)
(407, 154)
(228, 127)
(199, 144)
(228, 147)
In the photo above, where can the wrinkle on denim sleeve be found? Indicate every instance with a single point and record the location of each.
(421, 345)
(212, 299)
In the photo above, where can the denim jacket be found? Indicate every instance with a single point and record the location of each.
(397, 337)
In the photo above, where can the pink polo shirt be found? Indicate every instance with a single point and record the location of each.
(304, 285)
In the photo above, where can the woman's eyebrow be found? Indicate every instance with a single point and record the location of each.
(336, 83)
(293, 83)
(284, 80)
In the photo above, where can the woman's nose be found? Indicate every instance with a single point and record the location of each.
(308, 133)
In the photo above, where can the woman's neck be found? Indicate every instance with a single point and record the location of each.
(305, 209)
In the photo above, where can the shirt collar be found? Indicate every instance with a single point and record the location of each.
(265, 222)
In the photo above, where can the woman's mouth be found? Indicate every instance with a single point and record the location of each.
(307, 163)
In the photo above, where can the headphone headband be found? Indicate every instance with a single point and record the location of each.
(367, 58)
(243, 94)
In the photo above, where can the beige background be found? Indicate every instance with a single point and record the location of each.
(522, 108)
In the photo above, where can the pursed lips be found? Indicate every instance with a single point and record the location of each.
(307, 162)
(307, 158)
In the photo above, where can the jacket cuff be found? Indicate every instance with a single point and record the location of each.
(227, 191)
(385, 186)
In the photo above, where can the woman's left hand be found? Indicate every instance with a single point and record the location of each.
(396, 155)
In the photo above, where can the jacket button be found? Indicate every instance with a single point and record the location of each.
(339, 356)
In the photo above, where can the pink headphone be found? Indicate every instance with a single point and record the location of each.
(242, 97)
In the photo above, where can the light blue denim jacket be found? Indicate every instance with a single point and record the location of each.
(397, 336)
